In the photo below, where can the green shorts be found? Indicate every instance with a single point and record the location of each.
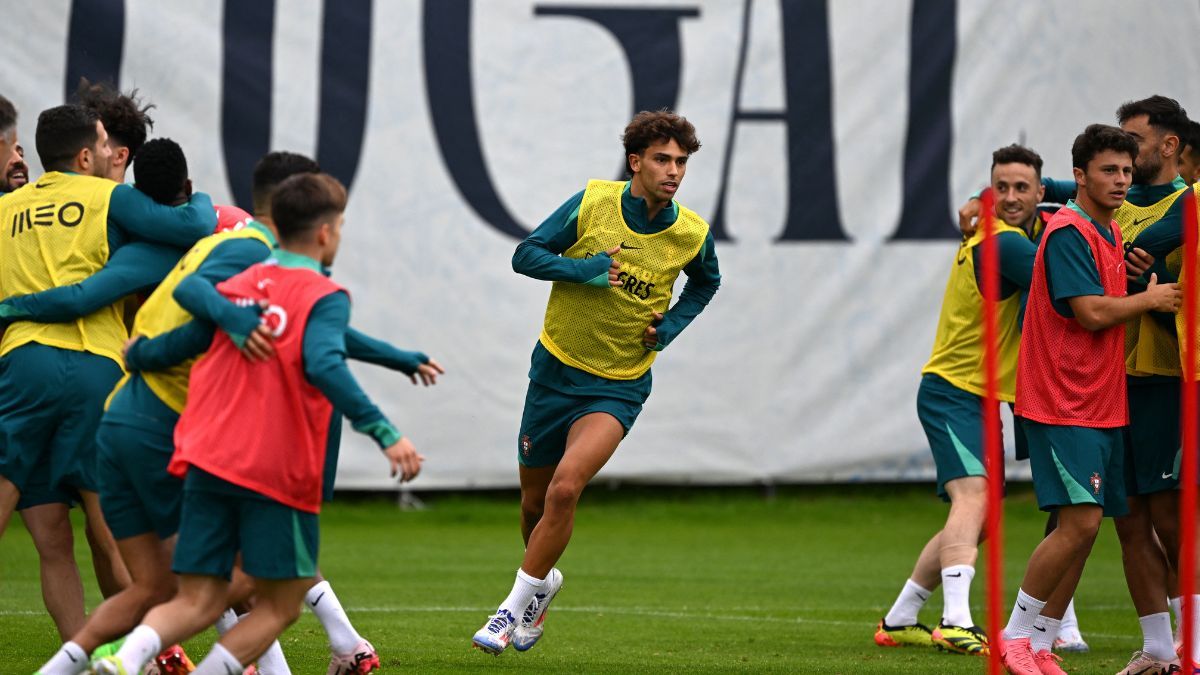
(38, 491)
(220, 520)
(953, 423)
(1077, 465)
(1152, 440)
(548, 416)
(137, 494)
(51, 401)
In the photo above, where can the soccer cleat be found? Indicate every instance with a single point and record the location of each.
(173, 661)
(1144, 664)
(362, 659)
(1048, 662)
(970, 640)
(529, 629)
(1070, 642)
(495, 635)
(1017, 657)
(916, 635)
(109, 665)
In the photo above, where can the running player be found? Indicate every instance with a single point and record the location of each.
(613, 251)
(1071, 382)
(950, 405)
(237, 498)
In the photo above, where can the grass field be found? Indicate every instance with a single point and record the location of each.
(697, 581)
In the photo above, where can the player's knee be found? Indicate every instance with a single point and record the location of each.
(55, 546)
(563, 494)
(532, 508)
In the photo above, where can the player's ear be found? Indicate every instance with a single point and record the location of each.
(1080, 176)
(187, 188)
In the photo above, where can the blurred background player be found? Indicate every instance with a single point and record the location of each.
(1071, 384)
(8, 130)
(950, 405)
(239, 498)
(16, 173)
(605, 322)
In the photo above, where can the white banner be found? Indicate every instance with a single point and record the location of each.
(837, 138)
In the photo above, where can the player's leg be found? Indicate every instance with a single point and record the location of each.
(900, 626)
(49, 526)
(277, 605)
(112, 575)
(1146, 577)
(534, 482)
(351, 652)
(9, 495)
(958, 550)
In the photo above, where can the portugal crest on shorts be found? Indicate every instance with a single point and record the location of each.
(1095, 483)
(526, 445)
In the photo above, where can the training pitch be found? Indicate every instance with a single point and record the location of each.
(679, 580)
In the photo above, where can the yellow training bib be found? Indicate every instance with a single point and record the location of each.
(55, 233)
(599, 329)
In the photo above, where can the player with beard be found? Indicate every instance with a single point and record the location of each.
(16, 174)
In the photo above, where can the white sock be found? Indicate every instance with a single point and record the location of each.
(956, 595)
(1195, 628)
(910, 601)
(522, 592)
(325, 604)
(1177, 611)
(1156, 636)
(226, 621)
(218, 662)
(1045, 630)
(1025, 611)
(272, 661)
(70, 659)
(1070, 622)
(141, 645)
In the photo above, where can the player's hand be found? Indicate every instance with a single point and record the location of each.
(428, 373)
(404, 459)
(614, 267)
(127, 345)
(650, 336)
(1137, 261)
(968, 217)
(1163, 297)
(257, 346)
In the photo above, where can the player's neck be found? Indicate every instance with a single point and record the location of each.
(311, 250)
(652, 207)
(268, 222)
(1167, 174)
(1103, 216)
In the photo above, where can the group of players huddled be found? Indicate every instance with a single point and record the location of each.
(1089, 332)
(179, 370)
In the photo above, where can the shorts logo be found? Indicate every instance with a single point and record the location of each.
(526, 445)
(1095, 483)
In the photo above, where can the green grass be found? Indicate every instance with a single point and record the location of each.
(692, 581)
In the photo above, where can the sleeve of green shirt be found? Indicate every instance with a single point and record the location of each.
(198, 292)
(361, 347)
(703, 280)
(540, 254)
(133, 268)
(325, 367)
(175, 346)
(1017, 254)
(1058, 191)
(1070, 269)
(139, 217)
(1165, 235)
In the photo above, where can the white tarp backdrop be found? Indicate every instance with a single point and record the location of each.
(857, 125)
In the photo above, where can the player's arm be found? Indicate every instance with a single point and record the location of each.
(540, 254)
(325, 367)
(1166, 234)
(140, 217)
(173, 347)
(132, 269)
(703, 280)
(198, 294)
(362, 347)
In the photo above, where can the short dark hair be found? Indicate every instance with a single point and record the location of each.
(160, 170)
(125, 117)
(302, 202)
(1018, 154)
(8, 114)
(1191, 139)
(62, 131)
(1097, 138)
(647, 128)
(1163, 113)
(272, 170)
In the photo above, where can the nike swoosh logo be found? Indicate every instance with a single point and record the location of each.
(922, 597)
(1022, 607)
(314, 602)
(958, 574)
(1168, 475)
(631, 248)
(1139, 221)
(73, 659)
(1039, 629)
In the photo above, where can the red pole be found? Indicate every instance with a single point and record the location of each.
(1187, 478)
(993, 450)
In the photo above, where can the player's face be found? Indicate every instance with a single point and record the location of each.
(1017, 191)
(1189, 164)
(331, 235)
(1107, 178)
(100, 154)
(118, 160)
(659, 170)
(1151, 142)
(8, 143)
(16, 173)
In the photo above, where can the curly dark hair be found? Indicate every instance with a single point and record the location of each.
(1018, 154)
(648, 128)
(1097, 138)
(160, 170)
(125, 116)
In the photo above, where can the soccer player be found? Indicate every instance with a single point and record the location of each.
(950, 405)
(1071, 391)
(16, 173)
(1189, 154)
(8, 130)
(613, 251)
(252, 438)
(54, 377)
(126, 119)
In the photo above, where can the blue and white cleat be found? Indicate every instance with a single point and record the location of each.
(495, 635)
(529, 630)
